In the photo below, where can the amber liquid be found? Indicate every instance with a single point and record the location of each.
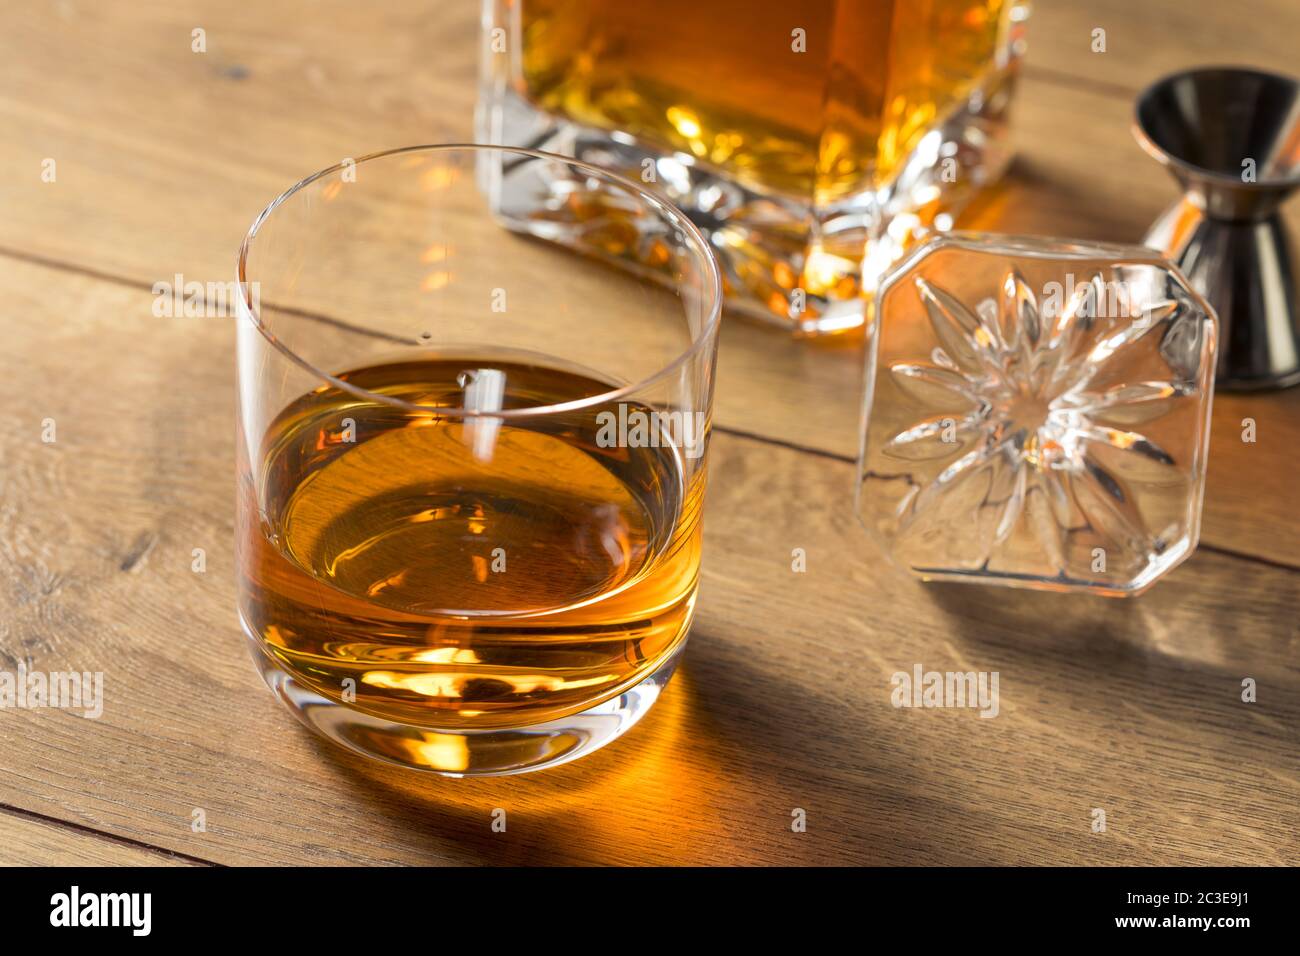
(465, 573)
(723, 80)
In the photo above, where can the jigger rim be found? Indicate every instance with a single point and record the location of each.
(1192, 170)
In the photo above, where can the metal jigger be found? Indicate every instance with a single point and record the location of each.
(1231, 137)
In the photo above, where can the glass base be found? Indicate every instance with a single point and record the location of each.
(467, 753)
(785, 260)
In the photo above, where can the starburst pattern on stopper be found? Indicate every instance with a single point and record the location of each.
(1052, 441)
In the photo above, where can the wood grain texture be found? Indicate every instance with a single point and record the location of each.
(138, 165)
(1147, 40)
(163, 158)
(784, 701)
(31, 841)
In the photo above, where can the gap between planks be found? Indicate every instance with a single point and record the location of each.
(129, 283)
(82, 828)
(1046, 75)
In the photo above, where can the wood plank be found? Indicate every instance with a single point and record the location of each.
(31, 841)
(784, 701)
(286, 90)
(280, 87)
(1147, 40)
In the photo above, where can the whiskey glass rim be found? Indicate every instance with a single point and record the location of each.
(250, 306)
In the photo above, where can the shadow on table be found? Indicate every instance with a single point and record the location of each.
(658, 794)
(1179, 652)
(716, 774)
(708, 777)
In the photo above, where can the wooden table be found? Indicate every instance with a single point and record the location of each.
(163, 155)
